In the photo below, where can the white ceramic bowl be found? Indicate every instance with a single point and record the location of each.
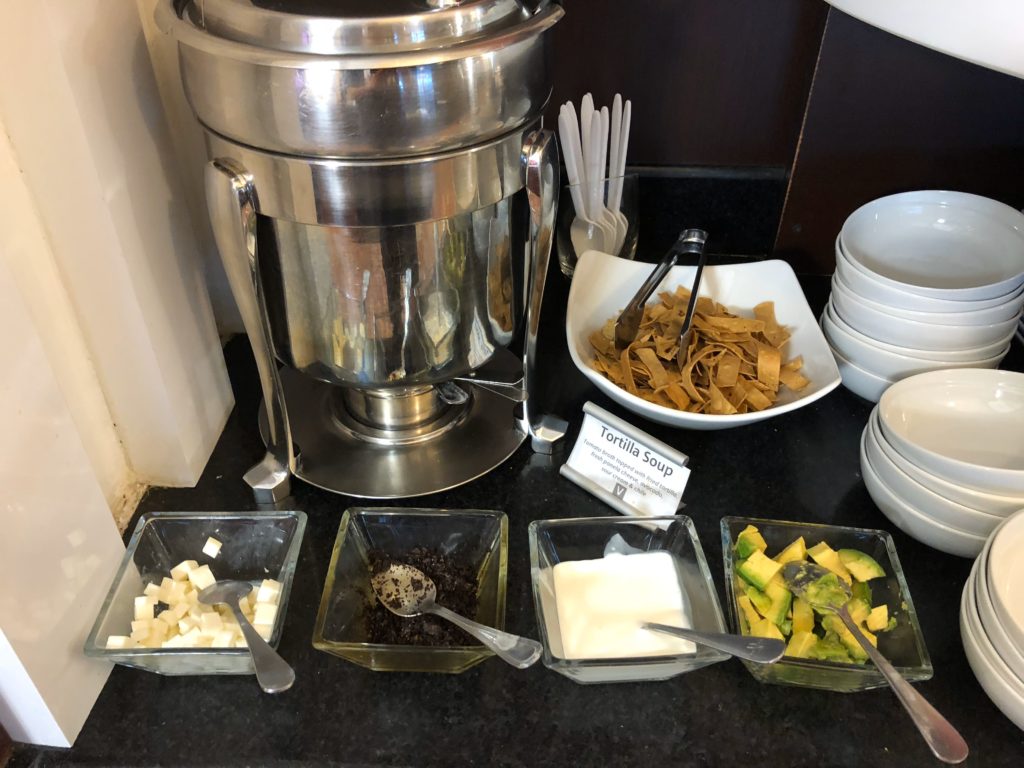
(890, 365)
(1009, 310)
(602, 285)
(949, 245)
(983, 502)
(952, 356)
(871, 320)
(926, 502)
(1005, 576)
(991, 623)
(859, 381)
(966, 425)
(866, 284)
(993, 675)
(926, 530)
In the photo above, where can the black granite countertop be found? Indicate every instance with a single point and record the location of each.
(800, 466)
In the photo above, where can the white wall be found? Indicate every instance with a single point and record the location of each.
(114, 376)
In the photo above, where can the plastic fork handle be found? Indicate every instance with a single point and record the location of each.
(520, 652)
(944, 740)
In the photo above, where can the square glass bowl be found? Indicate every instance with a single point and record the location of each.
(556, 541)
(903, 646)
(478, 537)
(256, 546)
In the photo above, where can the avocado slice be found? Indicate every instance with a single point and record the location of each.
(759, 599)
(878, 619)
(862, 591)
(828, 558)
(797, 550)
(750, 541)
(858, 610)
(758, 570)
(748, 613)
(801, 645)
(862, 566)
(834, 624)
(766, 628)
(781, 599)
(803, 616)
(829, 649)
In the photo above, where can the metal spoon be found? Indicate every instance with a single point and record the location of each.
(945, 741)
(272, 672)
(626, 327)
(407, 591)
(766, 650)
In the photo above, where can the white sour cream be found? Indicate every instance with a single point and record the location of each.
(602, 604)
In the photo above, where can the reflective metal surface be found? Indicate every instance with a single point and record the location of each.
(365, 105)
(352, 26)
(232, 202)
(337, 460)
(381, 307)
(393, 408)
(380, 193)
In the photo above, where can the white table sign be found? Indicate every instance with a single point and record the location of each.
(625, 467)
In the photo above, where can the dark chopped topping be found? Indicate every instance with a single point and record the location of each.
(457, 588)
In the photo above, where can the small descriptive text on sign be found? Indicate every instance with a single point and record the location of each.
(625, 467)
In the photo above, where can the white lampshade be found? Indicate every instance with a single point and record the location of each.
(985, 32)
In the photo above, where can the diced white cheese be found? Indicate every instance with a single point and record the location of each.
(269, 592)
(151, 590)
(168, 618)
(264, 614)
(210, 623)
(191, 638)
(140, 635)
(179, 610)
(140, 624)
(212, 547)
(144, 607)
(202, 577)
(224, 639)
(181, 571)
(120, 641)
(178, 641)
(263, 630)
(240, 642)
(185, 625)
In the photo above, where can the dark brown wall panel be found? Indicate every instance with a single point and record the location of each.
(886, 115)
(712, 83)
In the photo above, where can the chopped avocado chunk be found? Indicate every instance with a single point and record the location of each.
(828, 558)
(781, 598)
(891, 625)
(801, 645)
(858, 610)
(803, 616)
(786, 628)
(829, 649)
(758, 569)
(760, 600)
(795, 551)
(862, 591)
(835, 625)
(863, 567)
(749, 614)
(766, 628)
(878, 619)
(826, 591)
(750, 541)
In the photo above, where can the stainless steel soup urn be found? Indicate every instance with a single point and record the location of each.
(383, 199)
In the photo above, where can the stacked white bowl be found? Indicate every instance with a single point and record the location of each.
(924, 281)
(943, 455)
(992, 619)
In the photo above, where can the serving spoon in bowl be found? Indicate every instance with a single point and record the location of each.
(272, 672)
(827, 592)
(765, 650)
(408, 591)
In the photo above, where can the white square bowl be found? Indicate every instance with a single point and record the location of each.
(602, 285)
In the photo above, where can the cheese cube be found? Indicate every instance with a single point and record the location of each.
(264, 614)
(185, 625)
(120, 641)
(179, 610)
(181, 571)
(240, 642)
(151, 590)
(191, 638)
(168, 618)
(263, 630)
(269, 592)
(178, 641)
(144, 607)
(204, 641)
(210, 623)
(140, 624)
(192, 597)
(140, 635)
(224, 639)
(201, 577)
(212, 547)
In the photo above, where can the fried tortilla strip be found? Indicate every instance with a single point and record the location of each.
(769, 362)
(659, 377)
(775, 333)
(717, 402)
(737, 324)
(627, 372)
(728, 371)
(793, 380)
(757, 399)
(677, 396)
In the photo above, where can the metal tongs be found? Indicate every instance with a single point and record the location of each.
(691, 241)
